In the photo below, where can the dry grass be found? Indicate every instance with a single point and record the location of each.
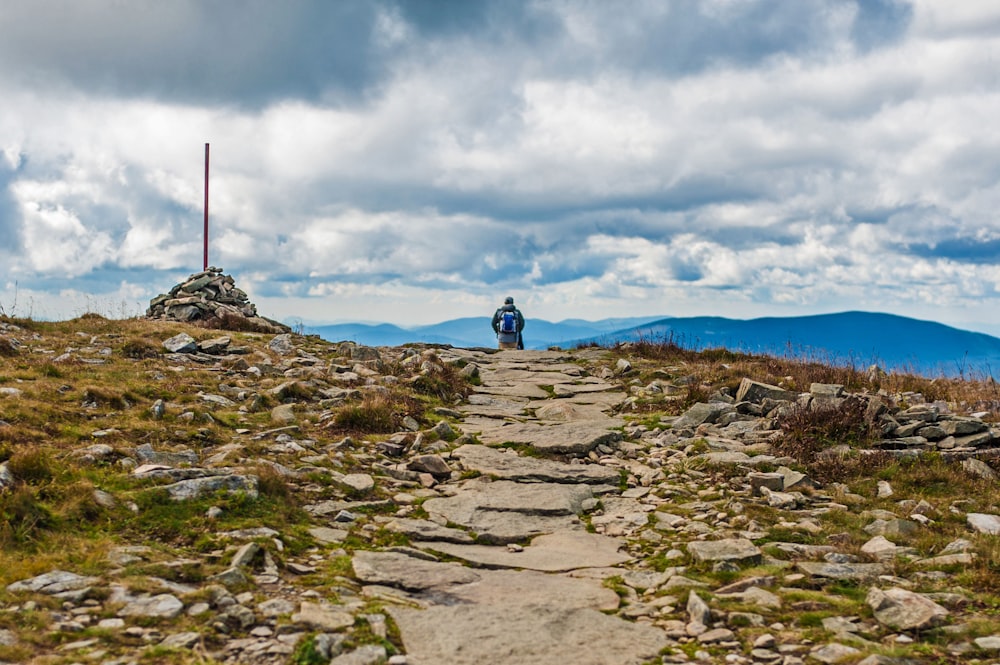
(376, 413)
(808, 432)
(709, 370)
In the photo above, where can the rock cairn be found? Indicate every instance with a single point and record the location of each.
(212, 298)
(540, 527)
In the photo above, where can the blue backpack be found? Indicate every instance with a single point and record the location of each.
(508, 323)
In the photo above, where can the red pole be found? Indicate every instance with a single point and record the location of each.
(206, 207)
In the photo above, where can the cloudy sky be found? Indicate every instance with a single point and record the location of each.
(412, 161)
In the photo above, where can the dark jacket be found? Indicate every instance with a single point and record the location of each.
(507, 337)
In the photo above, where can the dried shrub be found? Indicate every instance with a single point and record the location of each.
(842, 468)
(807, 432)
(139, 349)
(376, 413)
(271, 483)
(78, 503)
(32, 465)
(93, 397)
(443, 381)
(22, 517)
(7, 347)
(223, 320)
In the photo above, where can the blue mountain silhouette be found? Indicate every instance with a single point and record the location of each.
(855, 338)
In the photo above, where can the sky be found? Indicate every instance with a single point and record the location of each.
(414, 161)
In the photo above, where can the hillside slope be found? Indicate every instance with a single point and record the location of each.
(174, 494)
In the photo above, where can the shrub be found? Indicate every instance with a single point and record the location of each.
(140, 348)
(807, 432)
(22, 517)
(31, 465)
(373, 415)
(7, 347)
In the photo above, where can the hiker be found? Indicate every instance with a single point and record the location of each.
(507, 324)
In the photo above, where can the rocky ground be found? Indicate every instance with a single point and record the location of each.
(531, 522)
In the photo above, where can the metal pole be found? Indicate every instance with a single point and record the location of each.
(206, 208)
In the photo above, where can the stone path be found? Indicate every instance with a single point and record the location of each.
(536, 592)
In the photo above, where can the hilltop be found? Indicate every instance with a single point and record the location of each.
(175, 493)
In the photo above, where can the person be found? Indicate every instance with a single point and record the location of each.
(508, 322)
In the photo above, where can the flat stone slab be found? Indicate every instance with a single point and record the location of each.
(507, 465)
(427, 530)
(493, 405)
(529, 587)
(735, 550)
(52, 583)
(842, 571)
(527, 390)
(501, 511)
(539, 376)
(566, 411)
(477, 634)
(555, 552)
(575, 438)
(407, 572)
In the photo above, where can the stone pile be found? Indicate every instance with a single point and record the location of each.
(213, 298)
(532, 524)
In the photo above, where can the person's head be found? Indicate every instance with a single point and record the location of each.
(508, 301)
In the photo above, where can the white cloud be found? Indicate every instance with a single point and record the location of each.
(678, 158)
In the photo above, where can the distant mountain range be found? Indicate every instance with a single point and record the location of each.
(856, 338)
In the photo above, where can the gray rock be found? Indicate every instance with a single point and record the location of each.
(283, 414)
(754, 391)
(826, 390)
(555, 552)
(736, 550)
(984, 523)
(282, 344)
(701, 413)
(325, 534)
(503, 465)
(833, 653)
(427, 530)
(316, 616)
(432, 464)
(698, 610)
(900, 609)
(361, 483)
(716, 635)
(406, 572)
(771, 480)
(859, 572)
(368, 654)
(181, 343)
(162, 605)
(980, 469)
(217, 400)
(517, 588)
(53, 583)
(895, 527)
(214, 346)
(195, 487)
(181, 640)
(990, 643)
(535, 634)
(502, 511)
